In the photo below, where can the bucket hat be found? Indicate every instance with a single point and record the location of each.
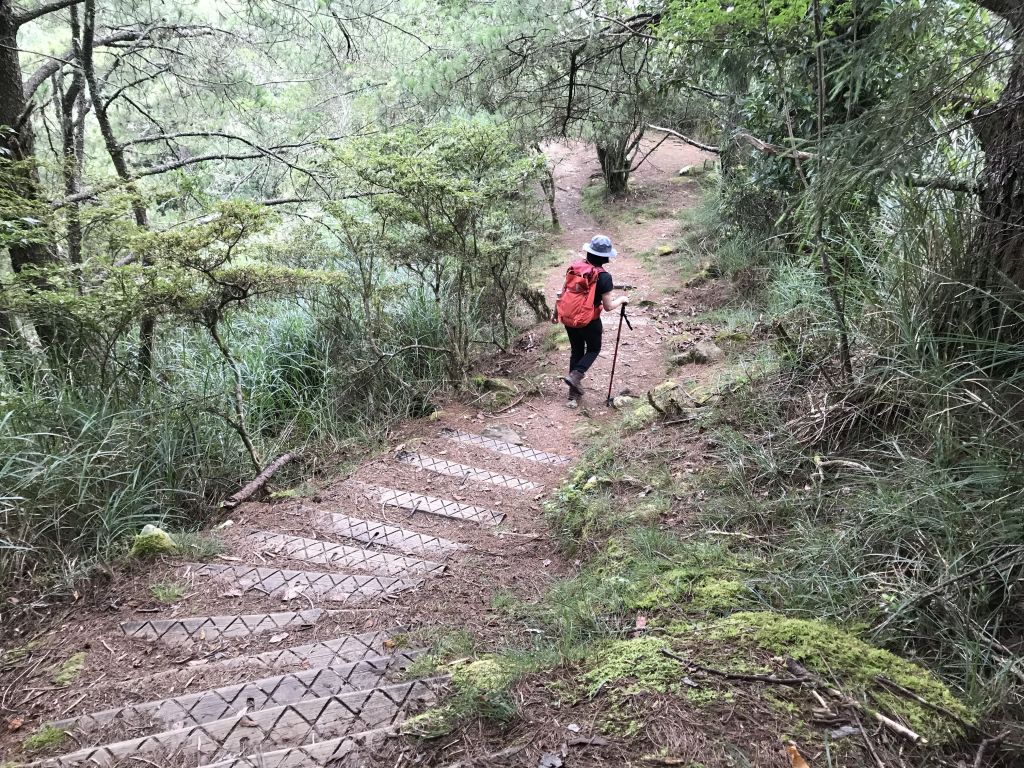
(601, 245)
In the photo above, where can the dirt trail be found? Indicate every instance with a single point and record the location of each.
(290, 641)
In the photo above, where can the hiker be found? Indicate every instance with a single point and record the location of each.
(586, 292)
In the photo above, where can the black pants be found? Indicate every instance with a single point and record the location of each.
(586, 345)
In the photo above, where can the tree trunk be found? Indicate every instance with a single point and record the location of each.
(998, 243)
(71, 103)
(1000, 236)
(147, 325)
(17, 146)
(547, 185)
(614, 167)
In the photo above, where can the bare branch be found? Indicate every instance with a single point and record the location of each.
(158, 169)
(30, 14)
(766, 148)
(948, 183)
(108, 100)
(53, 65)
(687, 139)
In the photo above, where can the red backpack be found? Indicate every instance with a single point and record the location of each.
(575, 306)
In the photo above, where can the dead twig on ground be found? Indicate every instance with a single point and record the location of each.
(868, 743)
(770, 679)
(257, 482)
(893, 687)
(507, 752)
(851, 703)
(992, 741)
(510, 406)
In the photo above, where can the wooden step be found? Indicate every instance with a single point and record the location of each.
(418, 502)
(378, 534)
(210, 628)
(218, 703)
(466, 472)
(289, 585)
(329, 717)
(509, 449)
(343, 556)
(331, 752)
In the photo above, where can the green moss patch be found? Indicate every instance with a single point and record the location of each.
(639, 664)
(68, 671)
(853, 664)
(479, 689)
(45, 738)
(153, 544)
(638, 417)
(700, 577)
(167, 593)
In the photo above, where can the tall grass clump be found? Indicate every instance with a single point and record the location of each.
(307, 337)
(85, 465)
(892, 496)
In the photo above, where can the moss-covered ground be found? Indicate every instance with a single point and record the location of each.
(664, 612)
(671, 637)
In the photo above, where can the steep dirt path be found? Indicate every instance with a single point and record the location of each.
(284, 644)
(639, 227)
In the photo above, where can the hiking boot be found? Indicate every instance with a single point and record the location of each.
(575, 382)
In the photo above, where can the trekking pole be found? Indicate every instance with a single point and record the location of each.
(622, 316)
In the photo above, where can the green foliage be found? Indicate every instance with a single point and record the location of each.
(153, 542)
(167, 593)
(579, 511)
(45, 738)
(69, 671)
(858, 666)
(450, 207)
(198, 546)
(638, 662)
(480, 688)
(270, 337)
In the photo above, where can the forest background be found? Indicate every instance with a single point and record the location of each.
(238, 229)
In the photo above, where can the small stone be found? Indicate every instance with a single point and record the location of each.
(623, 401)
(573, 728)
(153, 541)
(669, 397)
(595, 480)
(844, 731)
(502, 433)
(494, 384)
(686, 170)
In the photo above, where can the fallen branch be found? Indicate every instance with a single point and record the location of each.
(687, 139)
(948, 582)
(773, 149)
(256, 483)
(771, 679)
(893, 687)
(507, 752)
(851, 703)
(510, 406)
(654, 405)
(868, 743)
(993, 741)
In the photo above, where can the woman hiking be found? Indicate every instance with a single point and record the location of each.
(586, 292)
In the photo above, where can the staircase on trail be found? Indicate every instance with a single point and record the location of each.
(325, 701)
